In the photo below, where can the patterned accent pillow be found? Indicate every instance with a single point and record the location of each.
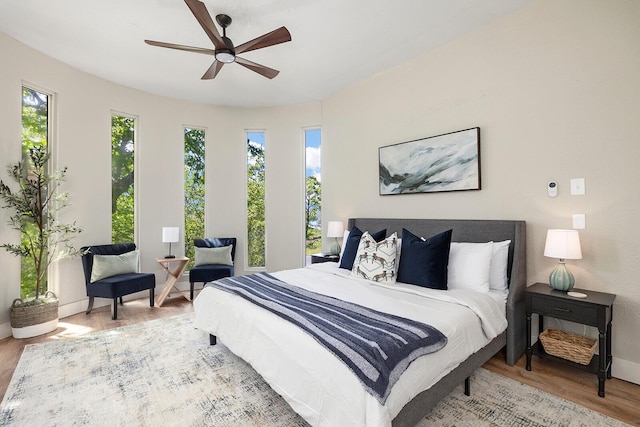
(376, 260)
(348, 255)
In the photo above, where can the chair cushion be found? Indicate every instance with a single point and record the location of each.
(112, 265)
(218, 255)
(123, 284)
(209, 272)
(90, 251)
(216, 242)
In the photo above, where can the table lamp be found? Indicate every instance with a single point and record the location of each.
(562, 244)
(170, 235)
(335, 229)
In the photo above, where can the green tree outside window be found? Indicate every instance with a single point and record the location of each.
(122, 179)
(255, 199)
(194, 190)
(35, 133)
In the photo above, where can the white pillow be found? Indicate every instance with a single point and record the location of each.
(376, 260)
(219, 255)
(398, 252)
(469, 266)
(111, 265)
(345, 236)
(498, 275)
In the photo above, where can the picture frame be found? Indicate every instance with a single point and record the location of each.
(441, 163)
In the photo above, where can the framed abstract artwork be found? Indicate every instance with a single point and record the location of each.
(449, 162)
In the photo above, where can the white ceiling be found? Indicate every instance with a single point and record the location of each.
(335, 43)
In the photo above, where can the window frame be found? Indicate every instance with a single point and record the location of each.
(304, 130)
(136, 166)
(247, 267)
(52, 271)
(206, 193)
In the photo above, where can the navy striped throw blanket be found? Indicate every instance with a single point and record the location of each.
(376, 346)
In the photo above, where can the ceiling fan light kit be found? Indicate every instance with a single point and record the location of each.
(225, 52)
(225, 56)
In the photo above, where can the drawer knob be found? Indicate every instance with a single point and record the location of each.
(564, 310)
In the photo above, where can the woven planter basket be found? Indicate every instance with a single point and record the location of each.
(567, 345)
(28, 315)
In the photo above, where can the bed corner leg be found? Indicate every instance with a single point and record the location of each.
(212, 339)
(467, 386)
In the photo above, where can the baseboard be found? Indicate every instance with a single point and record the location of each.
(70, 309)
(5, 330)
(625, 370)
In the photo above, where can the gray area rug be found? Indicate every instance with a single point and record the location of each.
(164, 373)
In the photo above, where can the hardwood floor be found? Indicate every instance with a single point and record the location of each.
(622, 399)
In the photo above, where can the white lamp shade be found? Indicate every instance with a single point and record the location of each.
(563, 244)
(170, 234)
(335, 229)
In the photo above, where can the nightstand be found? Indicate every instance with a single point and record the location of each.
(594, 310)
(317, 258)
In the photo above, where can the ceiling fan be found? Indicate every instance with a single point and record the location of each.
(225, 52)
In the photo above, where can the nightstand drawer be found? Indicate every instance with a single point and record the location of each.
(567, 310)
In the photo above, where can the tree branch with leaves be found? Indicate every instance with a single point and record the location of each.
(36, 204)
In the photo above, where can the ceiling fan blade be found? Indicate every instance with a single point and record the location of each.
(213, 70)
(281, 35)
(260, 69)
(181, 47)
(201, 13)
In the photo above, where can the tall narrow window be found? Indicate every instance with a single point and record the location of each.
(256, 245)
(313, 191)
(122, 179)
(193, 190)
(35, 132)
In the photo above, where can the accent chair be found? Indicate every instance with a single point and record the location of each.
(111, 271)
(214, 266)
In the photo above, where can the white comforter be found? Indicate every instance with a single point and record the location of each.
(317, 384)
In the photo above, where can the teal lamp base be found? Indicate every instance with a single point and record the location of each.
(561, 278)
(335, 248)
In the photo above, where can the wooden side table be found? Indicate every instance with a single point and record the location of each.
(594, 310)
(318, 258)
(172, 278)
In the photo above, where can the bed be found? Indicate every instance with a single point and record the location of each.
(319, 386)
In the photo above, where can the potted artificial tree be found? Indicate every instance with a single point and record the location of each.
(35, 205)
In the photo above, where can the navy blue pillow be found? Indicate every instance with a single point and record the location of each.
(351, 246)
(425, 262)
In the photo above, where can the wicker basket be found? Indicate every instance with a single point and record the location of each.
(28, 315)
(567, 345)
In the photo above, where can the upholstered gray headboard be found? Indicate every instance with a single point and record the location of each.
(476, 231)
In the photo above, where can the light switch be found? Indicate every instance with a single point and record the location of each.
(577, 187)
(579, 221)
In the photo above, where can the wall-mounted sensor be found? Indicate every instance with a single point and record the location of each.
(552, 189)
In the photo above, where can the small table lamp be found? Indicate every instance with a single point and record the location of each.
(170, 235)
(562, 244)
(335, 229)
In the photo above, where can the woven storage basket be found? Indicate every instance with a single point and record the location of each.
(567, 345)
(26, 315)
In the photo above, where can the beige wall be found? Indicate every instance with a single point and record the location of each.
(83, 107)
(555, 91)
(553, 88)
